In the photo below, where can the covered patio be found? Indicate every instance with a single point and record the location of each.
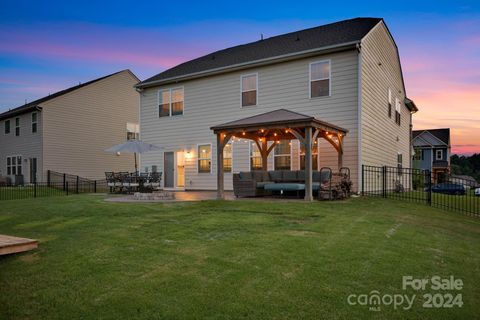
(272, 127)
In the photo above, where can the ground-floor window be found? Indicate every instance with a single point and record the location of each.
(282, 155)
(204, 158)
(314, 156)
(14, 165)
(255, 157)
(227, 157)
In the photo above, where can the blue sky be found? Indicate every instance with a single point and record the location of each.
(49, 46)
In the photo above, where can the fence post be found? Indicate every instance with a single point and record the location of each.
(35, 189)
(48, 178)
(363, 179)
(66, 185)
(76, 187)
(95, 186)
(64, 181)
(429, 186)
(384, 181)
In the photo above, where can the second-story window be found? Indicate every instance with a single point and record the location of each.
(320, 79)
(17, 126)
(249, 90)
(398, 109)
(170, 102)
(7, 126)
(439, 154)
(34, 122)
(132, 131)
(389, 102)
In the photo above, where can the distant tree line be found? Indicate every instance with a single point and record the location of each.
(463, 165)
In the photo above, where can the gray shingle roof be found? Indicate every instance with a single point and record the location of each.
(441, 134)
(280, 116)
(34, 104)
(342, 32)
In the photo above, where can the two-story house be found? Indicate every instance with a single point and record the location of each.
(346, 73)
(68, 131)
(432, 150)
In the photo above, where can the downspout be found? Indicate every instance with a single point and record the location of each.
(359, 118)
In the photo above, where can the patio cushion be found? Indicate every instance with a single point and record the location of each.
(285, 186)
(262, 184)
(316, 176)
(265, 176)
(290, 176)
(257, 175)
(301, 175)
(315, 186)
(245, 175)
(275, 175)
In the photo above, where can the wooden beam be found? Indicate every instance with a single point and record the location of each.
(308, 164)
(220, 182)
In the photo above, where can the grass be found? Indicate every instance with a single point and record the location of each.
(231, 259)
(28, 191)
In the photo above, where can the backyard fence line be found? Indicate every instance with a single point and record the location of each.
(52, 188)
(421, 186)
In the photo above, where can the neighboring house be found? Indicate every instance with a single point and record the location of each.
(467, 181)
(432, 150)
(346, 73)
(68, 131)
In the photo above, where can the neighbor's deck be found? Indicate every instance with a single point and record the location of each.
(9, 244)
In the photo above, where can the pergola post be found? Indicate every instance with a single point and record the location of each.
(220, 184)
(264, 153)
(308, 164)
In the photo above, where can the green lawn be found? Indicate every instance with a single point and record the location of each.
(231, 259)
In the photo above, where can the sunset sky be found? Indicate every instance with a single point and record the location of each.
(48, 47)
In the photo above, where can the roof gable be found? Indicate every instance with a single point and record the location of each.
(35, 105)
(434, 137)
(342, 32)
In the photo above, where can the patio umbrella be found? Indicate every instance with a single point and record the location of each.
(133, 146)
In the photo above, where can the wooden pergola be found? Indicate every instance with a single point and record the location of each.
(274, 126)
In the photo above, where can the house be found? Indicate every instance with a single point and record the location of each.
(432, 150)
(346, 74)
(68, 131)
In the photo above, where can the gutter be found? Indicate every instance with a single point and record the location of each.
(250, 64)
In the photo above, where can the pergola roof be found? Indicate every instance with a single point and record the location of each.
(280, 118)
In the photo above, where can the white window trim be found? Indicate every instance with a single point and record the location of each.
(34, 122)
(19, 128)
(398, 106)
(198, 158)
(285, 154)
(436, 154)
(170, 103)
(241, 89)
(329, 77)
(6, 165)
(250, 142)
(390, 95)
(231, 171)
(9, 132)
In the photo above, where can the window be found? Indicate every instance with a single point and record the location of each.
(17, 126)
(418, 154)
(314, 156)
(204, 158)
(227, 157)
(7, 126)
(14, 165)
(249, 90)
(34, 122)
(170, 102)
(255, 157)
(320, 79)
(397, 111)
(132, 131)
(389, 103)
(281, 154)
(438, 154)
(399, 163)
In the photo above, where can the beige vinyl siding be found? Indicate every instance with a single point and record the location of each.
(80, 125)
(28, 144)
(214, 100)
(382, 138)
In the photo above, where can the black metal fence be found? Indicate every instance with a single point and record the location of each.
(438, 190)
(58, 184)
